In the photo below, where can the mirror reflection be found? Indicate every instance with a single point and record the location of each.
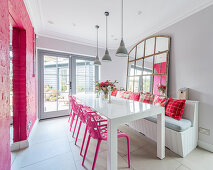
(160, 64)
(149, 46)
(132, 54)
(148, 66)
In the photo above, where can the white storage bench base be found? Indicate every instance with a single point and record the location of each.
(182, 143)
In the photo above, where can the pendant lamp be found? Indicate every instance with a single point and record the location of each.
(106, 56)
(122, 51)
(97, 61)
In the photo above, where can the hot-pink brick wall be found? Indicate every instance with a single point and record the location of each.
(27, 83)
(4, 87)
(25, 108)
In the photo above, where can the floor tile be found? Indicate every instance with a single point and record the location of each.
(101, 163)
(41, 151)
(142, 159)
(60, 162)
(199, 159)
(48, 130)
(182, 167)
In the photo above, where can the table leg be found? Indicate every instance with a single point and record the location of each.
(161, 135)
(112, 146)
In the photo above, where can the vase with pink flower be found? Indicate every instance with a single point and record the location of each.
(103, 87)
(162, 89)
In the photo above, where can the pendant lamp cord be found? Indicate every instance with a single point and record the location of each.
(97, 41)
(122, 8)
(106, 32)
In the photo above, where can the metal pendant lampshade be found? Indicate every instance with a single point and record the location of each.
(122, 51)
(106, 56)
(97, 61)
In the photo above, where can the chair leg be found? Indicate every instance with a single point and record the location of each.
(86, 149)
(75, 126)
(70, 115)
(79, 128)
(85, 134)
(72, 119)
(128, 150)
(96, 154)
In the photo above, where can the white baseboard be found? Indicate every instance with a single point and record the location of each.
(33, 129)
(24, 143)
(206, 146)
(19, 145)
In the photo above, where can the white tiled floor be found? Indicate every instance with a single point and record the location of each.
(52, 148)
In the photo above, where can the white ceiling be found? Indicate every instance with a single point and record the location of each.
(74, 20)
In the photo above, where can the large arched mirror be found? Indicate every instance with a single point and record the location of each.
(147, 69)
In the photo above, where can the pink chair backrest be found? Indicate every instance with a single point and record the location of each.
(92, 126)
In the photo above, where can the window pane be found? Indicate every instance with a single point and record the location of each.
(162, 44)
(160, 63)
(131, 68)
(138, 84)
(50, 65)
(132, 55)
(50, 83)
(158, 80)
(148, 65)
(140, 50)
(63, 101)
(139, 67)
(147, 84)
(80, 84)
(63, 83)
(85, 76)
(50, 102)
(130, 84)
(149, 49)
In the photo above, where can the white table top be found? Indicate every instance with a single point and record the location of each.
(119, 108)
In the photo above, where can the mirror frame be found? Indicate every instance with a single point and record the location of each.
(167, 52)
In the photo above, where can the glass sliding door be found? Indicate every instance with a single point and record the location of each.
(54, 84)
(59, 75)
(86, 75)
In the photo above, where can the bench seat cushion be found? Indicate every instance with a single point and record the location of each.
(177, 125)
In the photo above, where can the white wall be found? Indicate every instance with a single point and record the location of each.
(191, 63)
(115, 70)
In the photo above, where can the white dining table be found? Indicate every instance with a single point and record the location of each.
(122, 111)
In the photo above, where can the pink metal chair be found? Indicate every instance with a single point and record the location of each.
(99, 131)
(70, 98)
(82, 114)
(73, 112)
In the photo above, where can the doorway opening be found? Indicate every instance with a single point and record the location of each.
(59, 75)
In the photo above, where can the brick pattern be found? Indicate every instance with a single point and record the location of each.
(4, 87)
(25, 107)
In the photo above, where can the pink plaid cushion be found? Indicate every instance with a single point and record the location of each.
(120, 94)
(146, 98)
(174, 108)
(126, 95)
(159, 100)
(134, 96)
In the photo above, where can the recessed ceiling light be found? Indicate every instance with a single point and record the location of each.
(50, 22)
(139, 12)
(73, 24)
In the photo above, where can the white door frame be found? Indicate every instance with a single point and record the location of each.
(72, 80)
(40, 59)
